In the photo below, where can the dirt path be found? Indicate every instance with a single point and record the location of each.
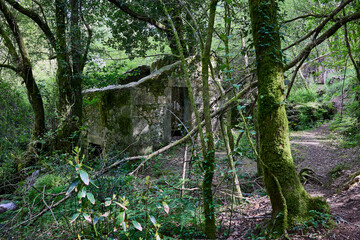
(322, 151)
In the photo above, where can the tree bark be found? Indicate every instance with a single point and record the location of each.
(209, 157)
(70, 66)
(289, 199)
(24, 69)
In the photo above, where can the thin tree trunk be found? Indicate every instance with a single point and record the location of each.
(231, 161)
(209, 157)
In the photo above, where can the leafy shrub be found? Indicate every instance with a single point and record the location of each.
(303, 95)
(307, 115)
(15, 120)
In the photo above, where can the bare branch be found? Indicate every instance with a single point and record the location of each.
(44, 210)
(328, 33)
(305, 16)
(123, 7)
(9, 67)
(294, 75)
(350, 53)
(321, 25)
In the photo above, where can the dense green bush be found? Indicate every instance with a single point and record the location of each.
(15, 119)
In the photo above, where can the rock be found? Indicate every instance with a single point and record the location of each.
(10, 206)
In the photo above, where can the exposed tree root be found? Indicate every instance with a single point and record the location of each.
(354, 178)
(307, 174)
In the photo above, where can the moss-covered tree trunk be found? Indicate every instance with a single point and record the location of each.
(69, 75)
(209, 154)
(289, 199)
(23, 68)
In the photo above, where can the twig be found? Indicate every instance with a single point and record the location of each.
(48, 194)
(184, 171)
(182, 189)
(44, 210)
(49, 207)
(295, 73)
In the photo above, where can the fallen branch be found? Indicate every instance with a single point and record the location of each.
(44, 210)
(49, 207)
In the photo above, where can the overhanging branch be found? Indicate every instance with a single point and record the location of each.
(321, 25)
(123, 7)
(37, 19)
(322, 38)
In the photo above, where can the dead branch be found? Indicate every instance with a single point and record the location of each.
(305, 16)
(294, 75)
(182, 189)
(44, 210)
(49, 207)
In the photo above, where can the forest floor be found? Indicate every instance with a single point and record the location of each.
(333, 164)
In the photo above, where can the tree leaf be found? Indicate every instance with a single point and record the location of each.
(121, 205)
(121, 217)
(137, 225)
(105, 214)
(92, 182)
(72, 187)
(74, 217)
(107, 203)
(87, 217)
(82, 193)
(124, 226)
(166, 207)
(84, 177)
(91, 198)
(152, 219)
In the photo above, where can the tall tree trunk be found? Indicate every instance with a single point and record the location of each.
(175, 11)
(69, 75)
(24, 69)
(289, 199)
(36, 102)
(76, 55)
(209, 156)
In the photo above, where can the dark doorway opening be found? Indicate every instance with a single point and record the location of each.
(94, 151)
(180, 111)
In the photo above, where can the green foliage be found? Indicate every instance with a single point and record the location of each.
(337, 170)
(15, 120)
(347, 121)
(49, 183)
(97, 75)
(303, 95)
(316, 220)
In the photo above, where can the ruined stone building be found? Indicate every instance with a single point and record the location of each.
(144, 112)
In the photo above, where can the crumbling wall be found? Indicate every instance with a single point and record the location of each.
(137, 117)
(131, 117)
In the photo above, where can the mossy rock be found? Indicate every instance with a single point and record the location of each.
(52, 183)
(302, 116)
